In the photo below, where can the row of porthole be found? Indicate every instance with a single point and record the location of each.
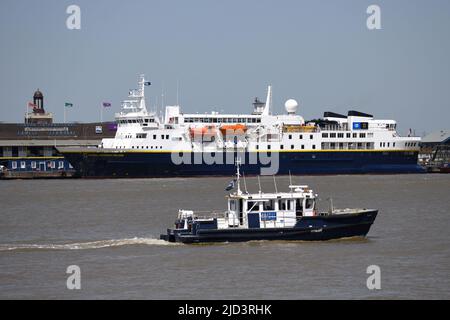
(33, 165)
(140, 147)
(282, 147)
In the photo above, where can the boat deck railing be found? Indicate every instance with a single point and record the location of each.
(210, 214)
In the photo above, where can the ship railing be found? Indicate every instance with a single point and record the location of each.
(335, 128)
(300, 128)
(210, 214)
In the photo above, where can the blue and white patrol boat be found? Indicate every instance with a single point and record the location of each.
(288, 215)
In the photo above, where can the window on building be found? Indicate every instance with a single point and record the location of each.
(303, 146)
(23, 165)
(33, 164)
(14, 164)
(314, 147)
(333, 135)
(310, 136)
(355, 135)
(340, 135)
(362, 135)
(61, 165)
(301, 136)
(292, 147)
(324, 135)
(348, 135)
(290, 136)
(281, 147)
(167, 136)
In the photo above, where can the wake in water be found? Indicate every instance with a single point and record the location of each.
(86, 245)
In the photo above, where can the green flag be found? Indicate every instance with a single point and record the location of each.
(68, 105)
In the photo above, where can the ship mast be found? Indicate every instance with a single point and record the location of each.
(238, 174)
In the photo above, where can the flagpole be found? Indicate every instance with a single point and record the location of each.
(65, 113)
(101, 113)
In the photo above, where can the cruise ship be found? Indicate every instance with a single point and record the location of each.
(181, 144)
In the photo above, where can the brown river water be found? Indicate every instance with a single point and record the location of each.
(110, 229)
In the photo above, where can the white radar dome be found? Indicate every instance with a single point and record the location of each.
(291, 106)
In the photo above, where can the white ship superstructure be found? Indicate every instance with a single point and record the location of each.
(138, 129)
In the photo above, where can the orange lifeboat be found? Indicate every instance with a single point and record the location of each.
(233, 129)
(206, 131)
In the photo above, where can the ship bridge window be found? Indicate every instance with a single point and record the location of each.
(348, 134)
(324, 135)
(309, 203)
(362, 135)
(268, 205)
(299, 206)
(340, 135)
(355, 135)
(282, 205)
(252, 206)
(232, 205)
(333, 135)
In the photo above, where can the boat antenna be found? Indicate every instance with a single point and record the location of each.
(275, 183)
(259, 184)
(331, 205)
(238, 163)
(178, 88)
(245, 182)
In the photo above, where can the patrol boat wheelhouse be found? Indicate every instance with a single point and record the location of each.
(180, 144)
(271, 216)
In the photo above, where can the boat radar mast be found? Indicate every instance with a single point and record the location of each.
(136, 97)
(238, 175)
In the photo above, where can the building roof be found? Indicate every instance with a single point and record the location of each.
(38, 94)
(437, 137)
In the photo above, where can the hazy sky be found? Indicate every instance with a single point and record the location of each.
(224, 53)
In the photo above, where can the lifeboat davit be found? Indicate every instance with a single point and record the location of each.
(233, 129)
(206, 131)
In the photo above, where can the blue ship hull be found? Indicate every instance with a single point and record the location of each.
(160, 164)
(317, 228)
